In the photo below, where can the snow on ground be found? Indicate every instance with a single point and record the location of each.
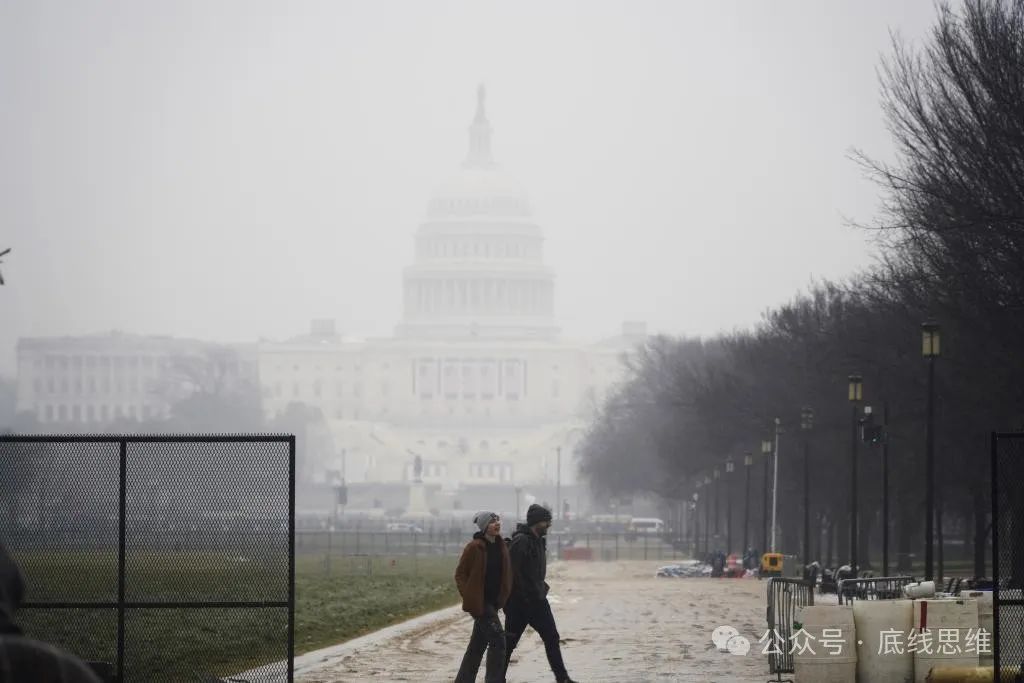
(617, 621)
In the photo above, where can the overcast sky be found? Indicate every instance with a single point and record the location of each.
(229, 170)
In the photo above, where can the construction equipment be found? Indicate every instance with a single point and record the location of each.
(771, 564)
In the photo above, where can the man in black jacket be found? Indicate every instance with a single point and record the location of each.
(528, 605)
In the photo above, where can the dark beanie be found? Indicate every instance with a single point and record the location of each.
(537, 513)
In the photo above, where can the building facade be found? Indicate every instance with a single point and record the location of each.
(88, 382)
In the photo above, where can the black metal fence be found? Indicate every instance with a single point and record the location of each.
(169, 557)
(1008, 551)
(873, 588)
(784, 597)
(600, 546)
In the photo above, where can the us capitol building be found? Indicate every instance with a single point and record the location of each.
(476, 380)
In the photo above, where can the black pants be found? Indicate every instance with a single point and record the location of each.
(539, 617)
(487, 635)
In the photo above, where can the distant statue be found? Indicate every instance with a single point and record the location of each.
(417, 469)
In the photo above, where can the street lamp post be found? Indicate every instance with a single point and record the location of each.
(718, 498)
(748, 461)
(806, 424)
(681, 521)
(775, 479)
(519, 495)
(879, 434)
(558, 483)
(855, 394)
(930, 350)
(693, 525)
(696, 519)
(766, 451)
(729, 468)
(885, 488)
(707, 516)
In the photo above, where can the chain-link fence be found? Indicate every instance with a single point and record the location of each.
(1008, 551)
(167, 557)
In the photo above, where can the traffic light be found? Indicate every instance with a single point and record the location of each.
(565, 509)
(342, 495)
(874, 434)
(870, 433)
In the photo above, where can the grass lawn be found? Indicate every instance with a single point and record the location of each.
(350, 597)
(350, 602)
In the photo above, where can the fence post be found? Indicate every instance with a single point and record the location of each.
(291, 558)
(994, 475)
(123, 467)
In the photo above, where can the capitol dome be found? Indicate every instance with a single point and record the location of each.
(479, 267)
(479, 191)
(480, 187)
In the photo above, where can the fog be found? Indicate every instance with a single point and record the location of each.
(229, 171)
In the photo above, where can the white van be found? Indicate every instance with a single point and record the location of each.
(647, 525)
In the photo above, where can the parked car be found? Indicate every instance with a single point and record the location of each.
(646, 525)
(404, 527)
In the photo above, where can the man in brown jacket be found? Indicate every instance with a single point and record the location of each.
(484, 579)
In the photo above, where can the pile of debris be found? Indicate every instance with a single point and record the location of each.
(687, 568)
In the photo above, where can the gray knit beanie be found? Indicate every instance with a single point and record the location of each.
(484, 518)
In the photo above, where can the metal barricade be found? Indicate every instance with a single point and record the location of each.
(873, 588)
(784, 597)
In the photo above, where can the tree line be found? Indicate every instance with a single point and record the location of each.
(950, 236)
